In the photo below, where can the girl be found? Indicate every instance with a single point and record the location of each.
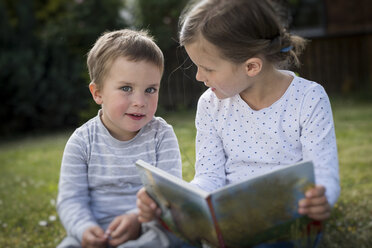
(254, 117)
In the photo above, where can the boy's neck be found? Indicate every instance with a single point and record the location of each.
(267, 88)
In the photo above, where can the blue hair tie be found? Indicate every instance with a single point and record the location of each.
(286, 49)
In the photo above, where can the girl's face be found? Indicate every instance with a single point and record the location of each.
(129, 96)
(225, 78)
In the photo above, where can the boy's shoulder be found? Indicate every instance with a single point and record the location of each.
(158, 123)
(89, 128)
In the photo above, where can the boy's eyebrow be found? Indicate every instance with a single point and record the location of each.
(131, 83)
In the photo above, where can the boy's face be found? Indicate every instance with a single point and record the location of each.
(129, 96)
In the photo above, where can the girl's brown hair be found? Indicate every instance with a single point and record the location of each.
(133, 45)
(241, 29)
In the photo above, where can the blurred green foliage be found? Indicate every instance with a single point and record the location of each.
(43, 46)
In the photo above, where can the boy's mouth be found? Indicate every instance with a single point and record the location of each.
(136, 116)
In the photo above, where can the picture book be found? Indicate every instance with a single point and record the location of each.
(255, 210)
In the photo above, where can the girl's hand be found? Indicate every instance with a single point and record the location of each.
(123, 228)
(148, 210)
(315, 204)
(94, 237)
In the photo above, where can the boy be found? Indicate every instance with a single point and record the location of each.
(98, 181)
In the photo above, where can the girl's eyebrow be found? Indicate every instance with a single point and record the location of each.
(204, 67)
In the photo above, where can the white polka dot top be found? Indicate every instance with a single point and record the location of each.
(235, 142)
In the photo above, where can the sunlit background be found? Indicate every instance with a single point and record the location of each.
(44, 90)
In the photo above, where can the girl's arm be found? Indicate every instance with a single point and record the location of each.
(318, 141)
(209, 152)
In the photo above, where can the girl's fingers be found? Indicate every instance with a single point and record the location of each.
(318, 191)
(309, 202)
(320, 216)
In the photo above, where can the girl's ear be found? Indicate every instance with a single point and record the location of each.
(96, 93)
(253, 66)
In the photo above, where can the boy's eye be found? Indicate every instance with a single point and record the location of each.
(150, 90)
(126, 88)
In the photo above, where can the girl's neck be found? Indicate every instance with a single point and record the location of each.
(267, 88)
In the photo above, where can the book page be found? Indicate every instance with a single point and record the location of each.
(263, 208)
(184, 207)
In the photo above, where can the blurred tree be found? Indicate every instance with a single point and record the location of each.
(43, 46)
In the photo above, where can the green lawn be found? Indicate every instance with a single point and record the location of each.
(29, 171)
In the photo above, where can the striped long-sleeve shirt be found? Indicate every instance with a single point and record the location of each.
(98, 178)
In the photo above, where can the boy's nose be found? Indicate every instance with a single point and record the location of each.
(139, 100)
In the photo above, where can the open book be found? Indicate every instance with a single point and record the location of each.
(242, 214)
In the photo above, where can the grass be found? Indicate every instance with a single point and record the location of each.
(351, 223)
(29, 171)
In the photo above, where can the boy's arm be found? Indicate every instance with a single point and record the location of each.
(168, 158)
(148, 210)
(73, 195)
(123, 228)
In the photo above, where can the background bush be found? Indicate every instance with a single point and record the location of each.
(43, 49)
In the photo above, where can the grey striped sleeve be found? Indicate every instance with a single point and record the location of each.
(73, 198)
(168, 152)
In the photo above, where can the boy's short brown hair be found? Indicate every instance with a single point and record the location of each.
(131, 44)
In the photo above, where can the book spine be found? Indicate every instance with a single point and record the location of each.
(161, 221)
(214, 219)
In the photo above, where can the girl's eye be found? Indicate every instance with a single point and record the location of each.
(207, 70)
(150, 90)
(126, 88)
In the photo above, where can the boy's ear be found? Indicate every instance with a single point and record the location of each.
(253, 66)
(96, 93)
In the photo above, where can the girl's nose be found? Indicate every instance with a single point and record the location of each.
(199, 76)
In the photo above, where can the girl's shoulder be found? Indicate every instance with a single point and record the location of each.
(209, 101)
(302, 87)
(208, 97)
